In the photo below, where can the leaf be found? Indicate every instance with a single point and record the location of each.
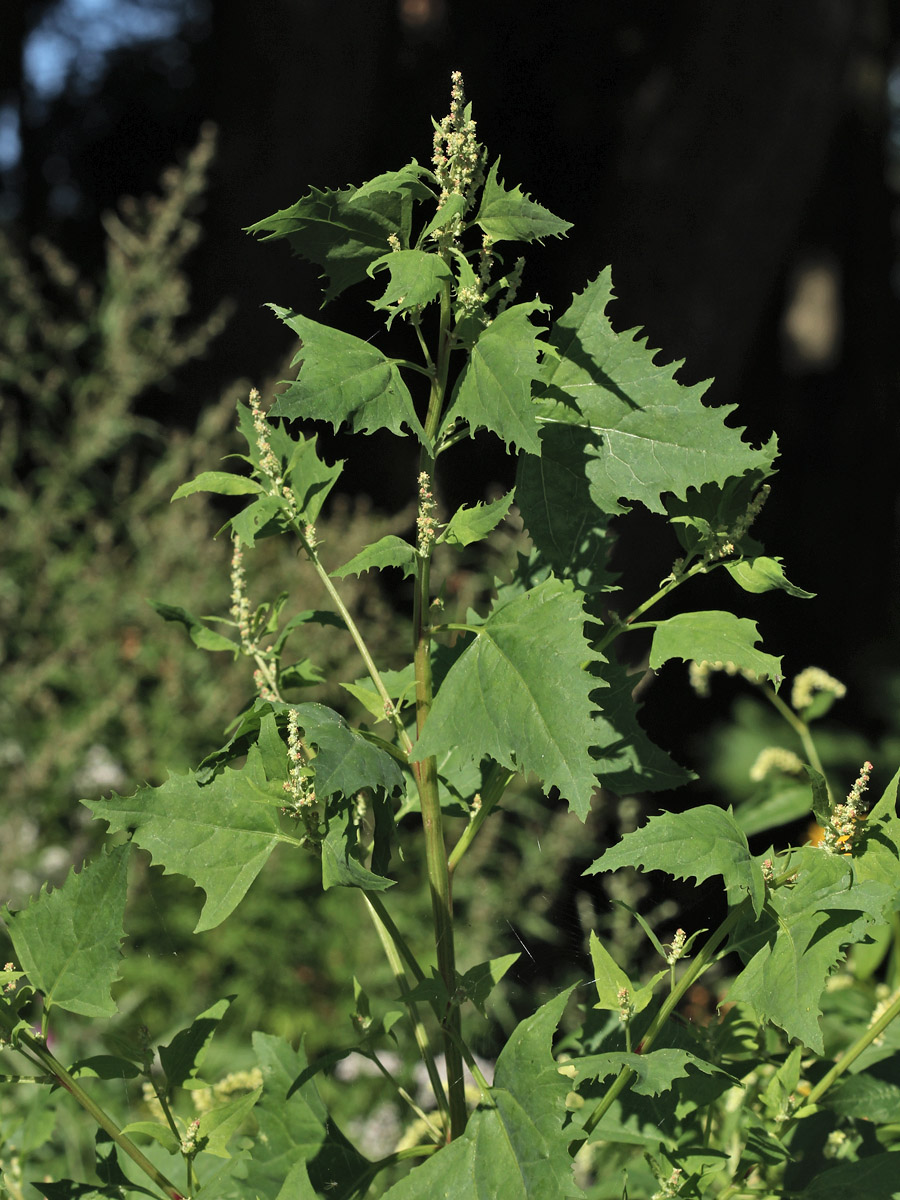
(801, 938)
(644, 434)
(408, 179)
(554, 496)
(514, 1146)
(494, 388)
(762, 574)
(655, 1072)
(697, 844)
(257, 520)
(625, 760)
(478, 982)
(519, 694)
(310, 478)
(874, 1177)
(609, 978)
(223, 483)
(340, 231)
(389, 551)
(865, 1097)
(220, 835)
(159, 1133)
(471, 524)
(417, 278)
(713, 637)
(508, 215)
(342, 378)
(218, 1125)
(181, 1059)
(297, 1132)
(201, 635)
(340, 867)
(67, 940)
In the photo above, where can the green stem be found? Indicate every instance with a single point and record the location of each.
(394, 946)
(353, 630)
(799, 727)
(669, 586)
(704, 959)
(37, 1051)
(426, 771)
(498, 780)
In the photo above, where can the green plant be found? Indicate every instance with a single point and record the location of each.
(769, 1099)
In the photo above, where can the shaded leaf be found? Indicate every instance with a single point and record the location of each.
(656, 1071)
(181, 1059)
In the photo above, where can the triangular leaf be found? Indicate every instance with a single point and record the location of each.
(342, 378)
(514, 1146)
(713, 637)
(220, 835)
(67, 940)
(416, 279)
(645, 434)
(697, 844)
(505, 698)
(340, 231)
(508, 215)
(471, 524)
(494, 388)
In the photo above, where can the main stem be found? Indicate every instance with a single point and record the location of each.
(426, 770)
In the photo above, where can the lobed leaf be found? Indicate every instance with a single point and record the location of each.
(697, 844)
(515, 1145)
(494, 388)
(507, 698)
(713, 637)
(342, 378)
(417, 277)
(643, 434)
(67, 940)
(219, 835)
(508, 215)
(341, 231)
(389, 551)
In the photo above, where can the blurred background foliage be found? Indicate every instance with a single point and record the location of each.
(738, 164)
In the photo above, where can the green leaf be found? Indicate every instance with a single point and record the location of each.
(340, 231)
(478, 982)
(866, 1098)
(257, 520)
(409, 179)
(793, 948)
(342, 378)
(697, 844)
(713, 637)
(625, 760)
(514, 1146)
(220, 835)
(389, 551)
(471, 524)
(508, 215)
(218, 1125)
(224, 483)
(297, 1132)
(183, 1056)
(554, 496)
(609, 978)
(494, 388)
(644, 434)
(655, 1072)
(508, 698)
(764, 574)
(67, 940)
(417, 277)
(874, 1177)
(340, 867)
(159, 1133)
(201, 635)
(310, 478)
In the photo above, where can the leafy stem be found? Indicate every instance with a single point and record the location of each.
(38, 1052)
(498, 780)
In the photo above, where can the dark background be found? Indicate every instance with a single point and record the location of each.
(726, 157)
